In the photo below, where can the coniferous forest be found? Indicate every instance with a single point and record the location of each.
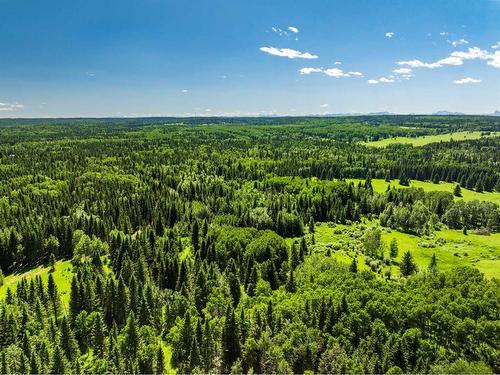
(249, 245)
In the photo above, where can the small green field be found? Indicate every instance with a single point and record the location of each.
(62, 276)
(380, 185)
(421, 141)
(452, 247)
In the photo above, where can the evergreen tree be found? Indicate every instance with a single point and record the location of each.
(393, 250)
(290, 284)
(457, 191)
(59, 362)
(433, 264)
(230, 341)
(130, 337)
(354, 266)
(311, 225)
(407, 265)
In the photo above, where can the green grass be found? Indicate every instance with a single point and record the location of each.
(62, 275)
(167, 355)
(421, 141)
(380, 185)
(452, 248)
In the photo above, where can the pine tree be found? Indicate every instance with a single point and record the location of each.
(59, 362)
(290, 284)
(457, 192)
(354, 266)
(131, 338)
(74, 299)
(311, 225)
(230, 341)
(195, 236)
(433, 264)
(52, 262)
(99, 335)
(68, 341)
(393, 250)
(407, 265)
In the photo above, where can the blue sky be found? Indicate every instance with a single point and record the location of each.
(220, 57)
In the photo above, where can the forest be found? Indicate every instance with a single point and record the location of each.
(249, 245)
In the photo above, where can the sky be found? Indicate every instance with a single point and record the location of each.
(104, 58)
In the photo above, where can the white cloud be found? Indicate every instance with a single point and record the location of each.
(402, 71)
(337, 63)
(293, 29)
(450, 60)
(288, 52)
(334, 72)
(386, 80)
(458, 42)
(494, 60)
(466, 81)
(457, 58)
(389, 79)
(331, 72)
(10, 107)
(471, 53)
(496, 46)
(443, 33)
(323, 105)
(389, 34)
(184, 91)
(308, 71)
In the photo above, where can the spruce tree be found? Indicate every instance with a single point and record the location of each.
(393, 250)
(407, 266)
(230, 341)
(290, 284)
(433, 264)
(457, 192)
(354, 266)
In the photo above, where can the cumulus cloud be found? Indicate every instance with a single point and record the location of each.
(458, 42)
(308, 71)
(402, 71)
(331, 72)
(443, 33)
(466, 80)
(450, 60)
(457, 58)
(293, 29)
(10, 107)
(334, 72)
(471, 53)
(288, 52)
(496, 46)
(494, 60)
(323, 105)
(337, 63)
(386, 80)
(389, 34)
(389, 79)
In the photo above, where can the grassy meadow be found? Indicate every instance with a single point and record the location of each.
(424, 140)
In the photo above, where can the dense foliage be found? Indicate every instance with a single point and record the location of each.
(176, 230)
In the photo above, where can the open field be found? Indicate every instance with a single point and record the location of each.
(62, 276)
(452, 247)
(380, 185)
(424, 140)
